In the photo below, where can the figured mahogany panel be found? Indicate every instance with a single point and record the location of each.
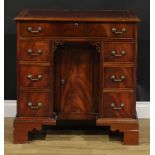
(76, 79)
(34, 104)
(39, 76)
(34, 50)
(117, 104)
(76, 29)
(118, 77)
(119, 51)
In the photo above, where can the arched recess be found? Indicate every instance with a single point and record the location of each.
(76, 79)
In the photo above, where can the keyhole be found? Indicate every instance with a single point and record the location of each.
(76, 25)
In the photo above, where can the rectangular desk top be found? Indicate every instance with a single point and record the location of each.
(77, 15)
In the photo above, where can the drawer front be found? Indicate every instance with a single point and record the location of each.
(60, 29)
(31, 50)
(119, 52)
(33, 29)
(120, 30)
(118, 77)
(34, 104)
(76, 29)
(117, 104)
(34, 76)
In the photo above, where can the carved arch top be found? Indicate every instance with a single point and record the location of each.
(58, 43)
(96, 44)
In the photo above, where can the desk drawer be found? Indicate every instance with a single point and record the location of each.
(120, 30)
(76, 29)
(119, 52)
(31, 50)
(34, 76)
(34, 104)
(117, 104)
(62, 29)
(118, 77)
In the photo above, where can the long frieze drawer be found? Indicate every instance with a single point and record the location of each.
(117, 104)
(76, 29)
(34, 76)
(33, 50)
(119, 52)
(62, 29)
(118, 77)
(34, 104)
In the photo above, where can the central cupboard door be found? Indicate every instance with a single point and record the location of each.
(77, 80)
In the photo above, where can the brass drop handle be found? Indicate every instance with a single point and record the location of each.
(39, 77)
(62, 81)
(116, 54)
(37, 53)
(30, 29)
(39, 104)
(122, 77)
(76, 24)
(117, 108)
(114, 30)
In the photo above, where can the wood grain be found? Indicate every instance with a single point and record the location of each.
(117, 98)
(118, 47)
(26, 70)
(76, 69)
(69, 29)
(118, 72)
(35, 46)
(64, 29)
(34, 98)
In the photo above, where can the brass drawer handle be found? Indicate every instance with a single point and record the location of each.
(39, 104)
(114, 30)
(62, 81)
(76, 25)
(122, 77)
(117, 108)
(118, 55)
(30, 29)
(39, 77)
(30, 51)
